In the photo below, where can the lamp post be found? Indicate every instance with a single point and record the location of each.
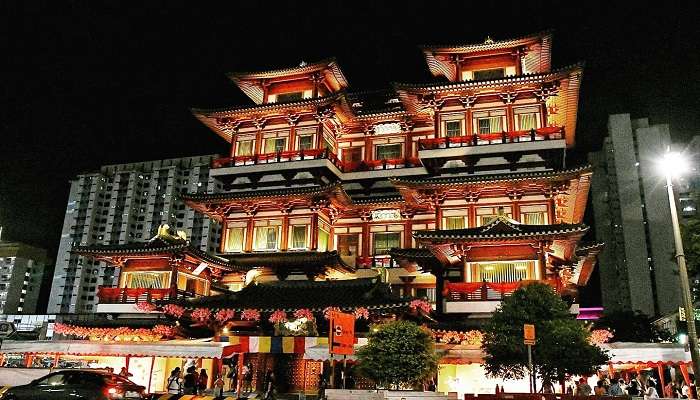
(673, 165)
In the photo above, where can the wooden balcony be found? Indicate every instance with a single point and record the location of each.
(316, 154)
(117, 295)
(483, 297)
(548, 133)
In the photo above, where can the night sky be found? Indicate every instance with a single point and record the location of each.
(88, 83)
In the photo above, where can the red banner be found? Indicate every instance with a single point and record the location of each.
(342, 333)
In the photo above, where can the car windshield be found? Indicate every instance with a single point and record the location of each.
(119, 380)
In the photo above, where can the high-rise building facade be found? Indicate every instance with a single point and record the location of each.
(22, 268)
(123, 204)
(632, 215)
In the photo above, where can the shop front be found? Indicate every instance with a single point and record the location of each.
(149, 363)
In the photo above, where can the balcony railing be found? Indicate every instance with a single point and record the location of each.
(117, 295)
(489, 291)
(316, 154)
(548, 133)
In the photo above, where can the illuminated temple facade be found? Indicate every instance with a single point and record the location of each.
(456, 190)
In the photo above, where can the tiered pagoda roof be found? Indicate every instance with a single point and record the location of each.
(157, 247)
(536, 49)
(251, 82)
(297, 294)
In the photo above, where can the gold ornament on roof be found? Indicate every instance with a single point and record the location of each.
(488, 40)
(165, 233)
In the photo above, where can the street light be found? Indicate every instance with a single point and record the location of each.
(673, 165)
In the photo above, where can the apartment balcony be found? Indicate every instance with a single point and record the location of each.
(124, 300)
(305, 159)
(435, 152)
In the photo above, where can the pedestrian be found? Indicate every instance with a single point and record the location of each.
(174, 382)
(202, 381)
(547, 387)
(583, 388)
(669, 390)
(651, 392)
(190, 382)
(322, 384)
(269, 385)
(247, 378)
(600, 389)
(232, 376)
(219, 387)
(633, 388)
(125, 373)
(616, 388)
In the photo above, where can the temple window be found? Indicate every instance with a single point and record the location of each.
(527, 118)
(512, 271)
(192, 284)
(388, 151)
(305, 142)
(486, 215)
(489, 121)
(453, 125)
(323, 237)
(245, 147)
(148, 280)
(348, 245)
(297, 237)
(454, 222)
(267, 235)
(486, 74)
(352, 154)
(235, 239)
(287, 97)
(534, 214)
(383, 242)
(274, 145)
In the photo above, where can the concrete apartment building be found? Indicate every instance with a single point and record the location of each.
(122, 204)
(22, 269)
(632, 217)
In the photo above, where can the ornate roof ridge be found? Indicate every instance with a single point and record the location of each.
(265, 107)
(475, 83)
(481, 233)
(484, 45)
(492, 177)
(298, 69)
(261, 193)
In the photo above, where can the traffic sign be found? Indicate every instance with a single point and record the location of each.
(6, 329)
(529, 334)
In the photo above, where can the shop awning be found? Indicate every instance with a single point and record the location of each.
(170, 348)
(646, 353)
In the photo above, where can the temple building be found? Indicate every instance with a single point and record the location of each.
(437, 198)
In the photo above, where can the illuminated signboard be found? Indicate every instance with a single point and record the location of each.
(387, 128)
(386, 215)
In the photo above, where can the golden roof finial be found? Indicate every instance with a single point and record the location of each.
(488, 40)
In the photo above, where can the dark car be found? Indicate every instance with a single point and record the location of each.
(77, 384)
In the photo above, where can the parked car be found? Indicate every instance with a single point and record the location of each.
(77, 384)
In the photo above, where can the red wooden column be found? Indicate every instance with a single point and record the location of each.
(368, 148)
(314, 230)
(249, 235)
(510, 118)
(284, 242)
(292, 138)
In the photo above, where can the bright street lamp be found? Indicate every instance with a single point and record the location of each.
(673, 165)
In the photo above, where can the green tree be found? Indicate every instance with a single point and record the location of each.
(397, 354)
(628, 326)
(563, 343)
(690, 231)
